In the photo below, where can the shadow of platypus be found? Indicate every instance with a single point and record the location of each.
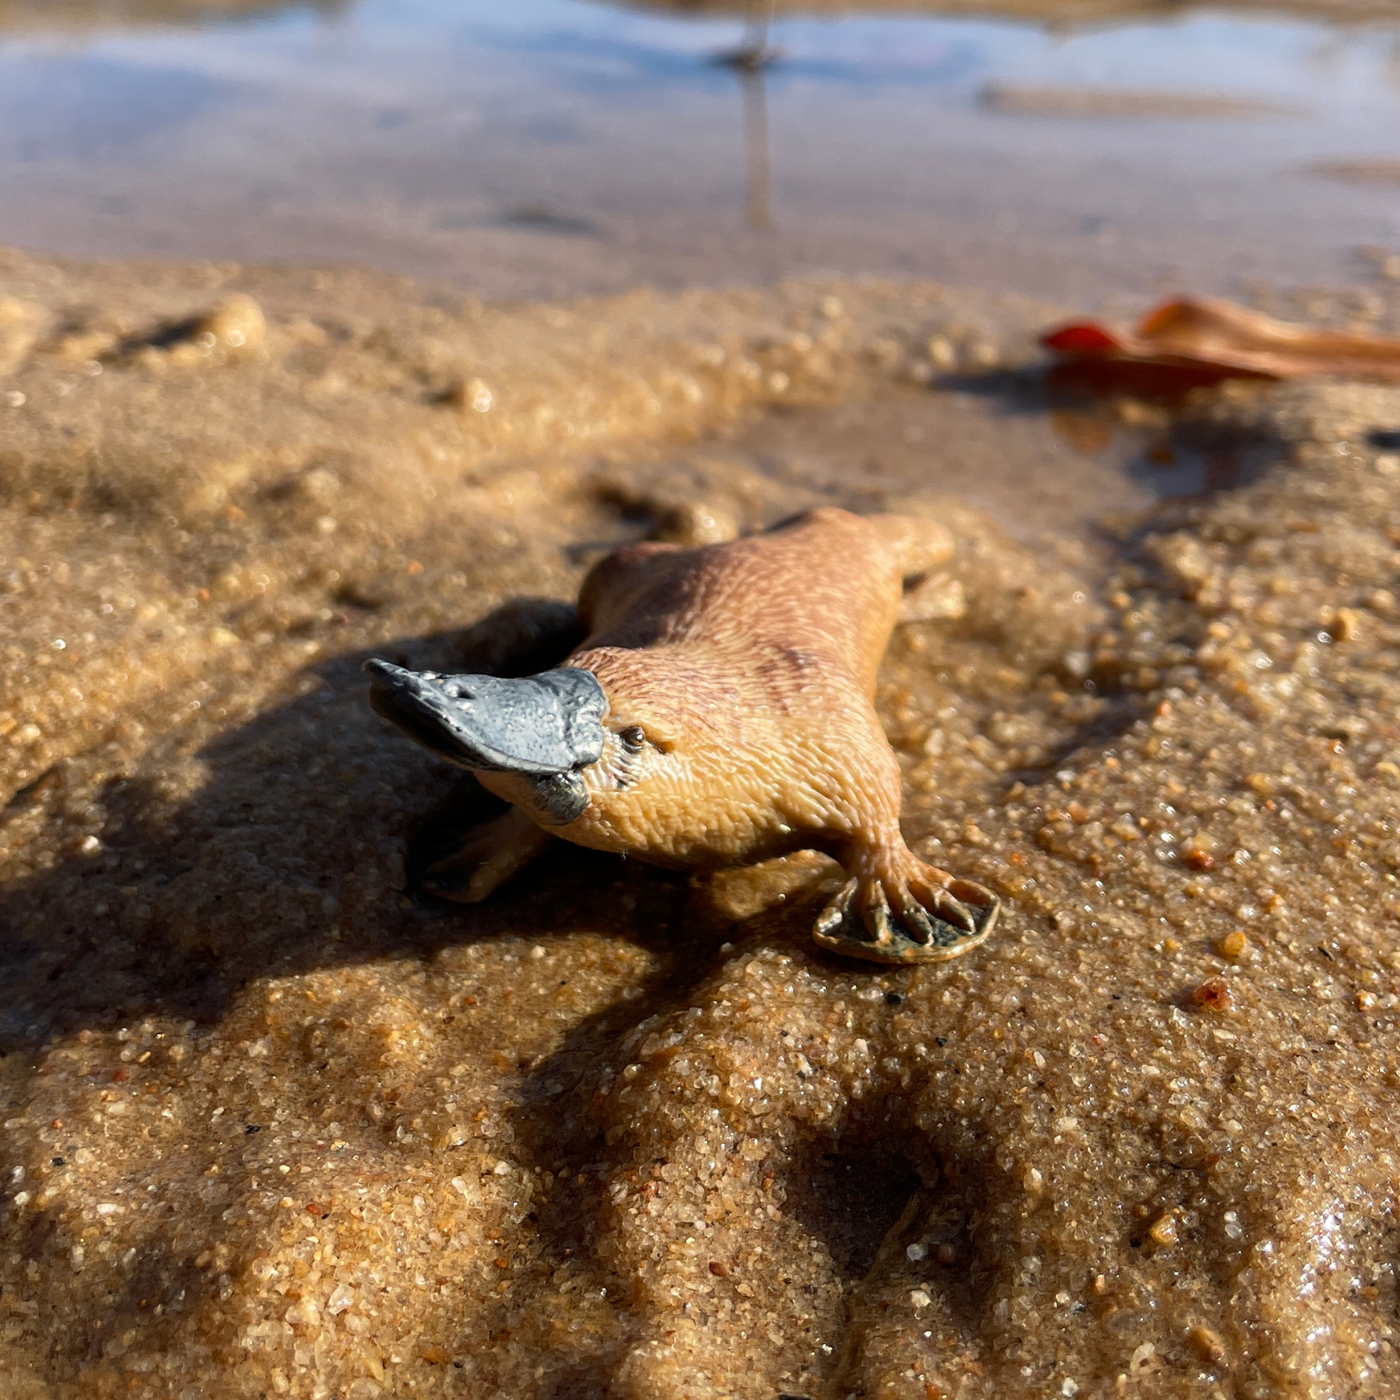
(719, 712)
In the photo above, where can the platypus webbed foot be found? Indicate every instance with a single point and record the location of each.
(485, 859)
(921, 914)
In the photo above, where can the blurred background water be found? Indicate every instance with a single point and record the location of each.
(550, 147)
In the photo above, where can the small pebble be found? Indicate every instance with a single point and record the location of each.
(1210, 1344)
(1163, 1229)
(1232, 946)
(1213, 995)
(941, 352)
(470, 396)
(237, 323)
(695, 523)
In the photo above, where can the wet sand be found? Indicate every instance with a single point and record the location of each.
(273, 1124)
(37, 16)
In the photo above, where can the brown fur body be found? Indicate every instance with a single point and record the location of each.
(740, 681)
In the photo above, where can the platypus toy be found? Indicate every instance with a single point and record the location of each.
(720, 712)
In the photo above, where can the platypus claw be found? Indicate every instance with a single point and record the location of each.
(919, 925)
(949, 911)
(878, 921)
(932, 926)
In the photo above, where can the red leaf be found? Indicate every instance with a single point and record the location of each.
(1081, 338)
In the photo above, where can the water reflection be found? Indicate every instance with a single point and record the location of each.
(756, 146)
(551, 147)
(751, 61)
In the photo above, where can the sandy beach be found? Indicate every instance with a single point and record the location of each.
(275, 1122)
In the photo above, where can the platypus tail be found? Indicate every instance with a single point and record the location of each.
(918, 544)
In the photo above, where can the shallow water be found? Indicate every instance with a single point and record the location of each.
(553, 147)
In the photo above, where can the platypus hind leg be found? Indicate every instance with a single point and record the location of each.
(489, 856)
(897, 909)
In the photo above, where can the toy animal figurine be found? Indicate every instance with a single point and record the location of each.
(719, 712)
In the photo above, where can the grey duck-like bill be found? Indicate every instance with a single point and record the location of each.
(539, 725)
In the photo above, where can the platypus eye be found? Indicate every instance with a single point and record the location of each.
(634, 736)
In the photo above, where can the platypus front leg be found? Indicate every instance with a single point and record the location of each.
(489, 855)
(897, 909)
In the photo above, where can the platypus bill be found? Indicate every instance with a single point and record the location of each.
(720, 712)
